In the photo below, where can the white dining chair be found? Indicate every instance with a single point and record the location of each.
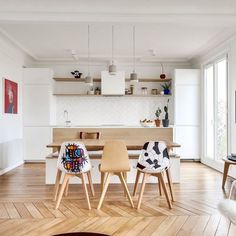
(73, 161)
(154, 161)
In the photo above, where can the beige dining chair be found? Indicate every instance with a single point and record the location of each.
(154, 161)
(115, 161)
(73, 161)
(90, 135)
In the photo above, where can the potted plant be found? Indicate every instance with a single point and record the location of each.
(158, 113)
(165, 122)
(166, 88)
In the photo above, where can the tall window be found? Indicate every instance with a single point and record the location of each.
(216, 103)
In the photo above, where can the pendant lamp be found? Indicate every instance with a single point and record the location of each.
(88, 78)
(112, 67)
(134, 75)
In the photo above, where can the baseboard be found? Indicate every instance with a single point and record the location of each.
(34, 161)
(5, 170)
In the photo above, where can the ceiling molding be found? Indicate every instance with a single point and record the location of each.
(16, 43)
(109, 17)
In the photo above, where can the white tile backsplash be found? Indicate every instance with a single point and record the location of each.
(109, 110)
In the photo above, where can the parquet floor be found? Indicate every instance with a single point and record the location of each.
(26, 207)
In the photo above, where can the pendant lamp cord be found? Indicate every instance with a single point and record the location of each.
(134, 48)
(88, 50)
(112, 45)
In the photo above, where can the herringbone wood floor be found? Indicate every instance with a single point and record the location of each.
(26, 207)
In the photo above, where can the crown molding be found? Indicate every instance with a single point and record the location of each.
(112, 17)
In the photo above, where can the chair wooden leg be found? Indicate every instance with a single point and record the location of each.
(104, 191)
(102, 181)
(145, 176)
(82, 175)
(136, 182)
(159, 185)
(165, 190)
(67, 188)
(90, 183)
(225, 174)
(122, 180)
(57, 184)
(168, 174)
(125, 179)
(66, 177)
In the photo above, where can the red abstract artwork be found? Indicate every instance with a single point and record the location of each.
(11, 96)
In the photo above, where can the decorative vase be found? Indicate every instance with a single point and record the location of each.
(166, 91)
(162, 76)
(165, 123)
(158, 122)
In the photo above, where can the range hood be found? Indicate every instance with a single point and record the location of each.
(113, 84)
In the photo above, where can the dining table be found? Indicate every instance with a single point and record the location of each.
(98, 144)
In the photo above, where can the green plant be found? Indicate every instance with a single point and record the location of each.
(166, 111)
(158, 112)
(166, 86)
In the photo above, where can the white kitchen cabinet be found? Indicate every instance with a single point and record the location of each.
(187, 112)
(38, 105)
(113, 84)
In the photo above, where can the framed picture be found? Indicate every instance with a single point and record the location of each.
(10, 97)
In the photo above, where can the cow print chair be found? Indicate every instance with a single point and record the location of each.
(154, 161)
(73, 161)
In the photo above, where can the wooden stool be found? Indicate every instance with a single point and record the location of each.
(226, 169)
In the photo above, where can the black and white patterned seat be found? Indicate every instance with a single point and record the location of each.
(154, 157)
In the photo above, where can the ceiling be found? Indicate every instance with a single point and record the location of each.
(165, 30)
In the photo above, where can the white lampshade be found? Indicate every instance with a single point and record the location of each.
(88, 79)
(112, 69)
(134, 77)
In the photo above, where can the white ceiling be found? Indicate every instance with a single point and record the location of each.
(175, 30)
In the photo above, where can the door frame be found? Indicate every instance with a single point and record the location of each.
(216, 164)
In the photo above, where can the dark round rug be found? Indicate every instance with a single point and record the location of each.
(81, 234)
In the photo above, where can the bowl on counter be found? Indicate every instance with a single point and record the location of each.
(147, 123)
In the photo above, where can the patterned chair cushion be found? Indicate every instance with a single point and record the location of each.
(73, 158)
(154, 157)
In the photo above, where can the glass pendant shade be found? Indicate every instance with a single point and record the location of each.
(112, 69)
(89, 79)
(134, 77)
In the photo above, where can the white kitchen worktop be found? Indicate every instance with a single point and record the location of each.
(109, 126)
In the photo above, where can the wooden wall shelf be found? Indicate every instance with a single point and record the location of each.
(90, 95)
(99, 80)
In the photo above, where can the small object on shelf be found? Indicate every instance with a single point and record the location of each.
(97, 91)
(76, 74)
(166, 88)
(165, 122)
(162, 93)
(162, 75)
(158, 113)
(144, 90)
(126, 91)
(147, 123)
(91, 91)
(154, 91)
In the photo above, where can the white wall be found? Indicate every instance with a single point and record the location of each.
(11, 62)
(108, 110)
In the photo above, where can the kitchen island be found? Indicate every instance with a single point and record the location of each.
(129, 133)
